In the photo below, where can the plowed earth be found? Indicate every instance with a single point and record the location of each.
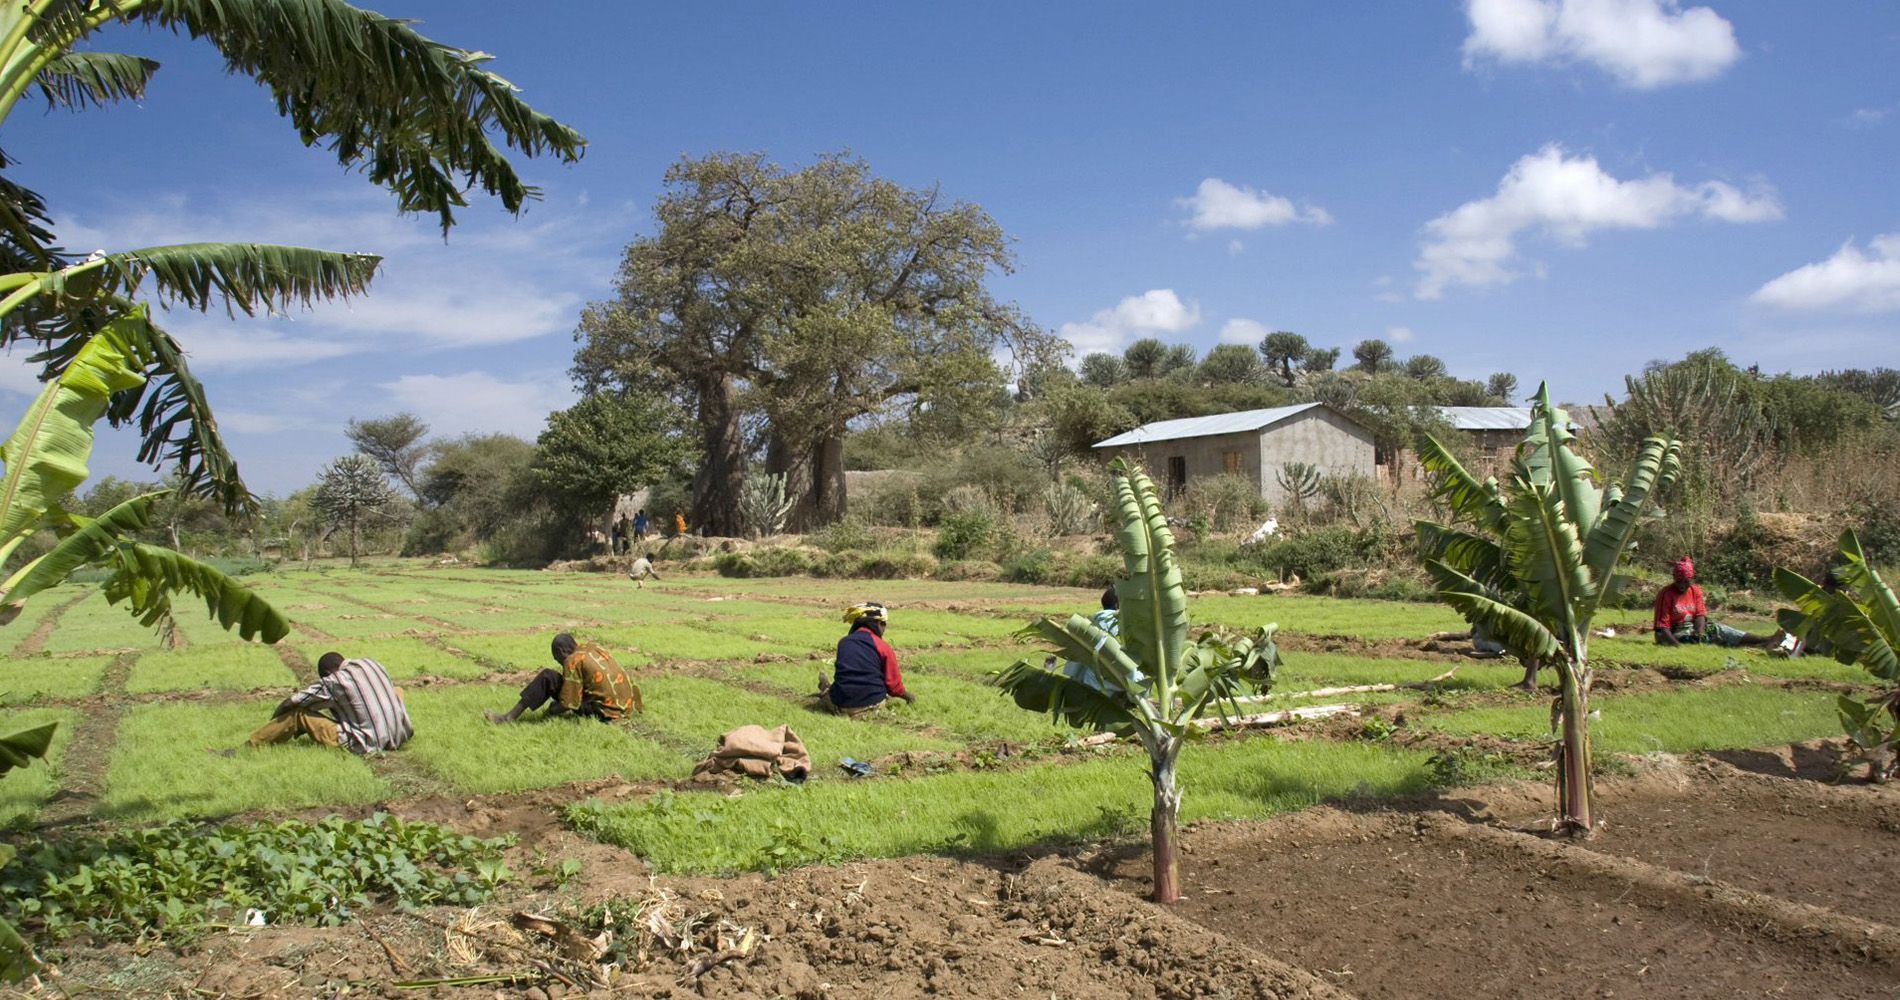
(1735, 877)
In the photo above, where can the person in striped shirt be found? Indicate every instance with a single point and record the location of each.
(589, 683)
(352, 705)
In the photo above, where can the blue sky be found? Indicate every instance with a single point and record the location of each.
(1563, 189)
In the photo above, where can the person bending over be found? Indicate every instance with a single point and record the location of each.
(641, 571)
(1682, 618)
(352, 705)
(865, 674)
(589, 683)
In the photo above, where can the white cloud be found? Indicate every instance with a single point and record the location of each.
(1217, 204)
(1851, 279)
(1234, 246)
(250, 345)
(1398, 334)
(1155, 311)
(1243, 331)
(1642, 43)
(477, 402)
(1867, 117)
(1565, 198)
(246, 422)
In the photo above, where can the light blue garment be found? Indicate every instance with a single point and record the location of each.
(1107, 621)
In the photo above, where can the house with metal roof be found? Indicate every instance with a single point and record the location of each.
(1256, 444)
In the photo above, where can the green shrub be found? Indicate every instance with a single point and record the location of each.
(849, 532)
(172, 881)
(1740, 558)
(964, 535)
(763, 562)
(883, 563)
(1318, 550)
(1033, 566)
(1229, 502)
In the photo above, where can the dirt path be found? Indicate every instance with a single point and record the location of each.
(36, 639)
(82, 766)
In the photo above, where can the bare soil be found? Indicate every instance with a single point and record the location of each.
(1733, 875)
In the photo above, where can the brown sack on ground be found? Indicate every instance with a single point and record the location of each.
(756, 752)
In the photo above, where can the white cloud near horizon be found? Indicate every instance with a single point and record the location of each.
(1244, 331)
(1398, 334)
(1644, 44)
(477, 402)
(1156, 311)
(1216, 204)
(1566, 198)
(1851, 279)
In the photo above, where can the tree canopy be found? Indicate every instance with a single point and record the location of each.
(801, 299)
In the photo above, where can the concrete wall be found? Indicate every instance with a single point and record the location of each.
(1319, 437)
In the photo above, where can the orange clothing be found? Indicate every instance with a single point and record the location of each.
(590, 676)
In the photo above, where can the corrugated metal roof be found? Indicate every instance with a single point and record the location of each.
(1190, 427)
(1488, 418)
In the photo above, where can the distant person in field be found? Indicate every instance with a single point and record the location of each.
(642, 571)
(679, 523)
(865, 674)
(640, 525)
(1108, 619)
(1682, 617)
(352, 705)
(589, 683)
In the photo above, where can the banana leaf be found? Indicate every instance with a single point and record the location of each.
(146, 577)
(87, 541)
(1153, 614)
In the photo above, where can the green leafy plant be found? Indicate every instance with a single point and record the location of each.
(1859, 622)
(965, 534)
(1151, 681)
(1532, 559)
(172, 882)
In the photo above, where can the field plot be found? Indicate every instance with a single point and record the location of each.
(24, 680)
(216, 668)
(402, 657)
(456, 744)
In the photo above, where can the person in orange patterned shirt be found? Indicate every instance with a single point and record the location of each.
(589, 683)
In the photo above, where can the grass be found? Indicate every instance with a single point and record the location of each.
(36, 678)
(1328, 615)
(219, 668)
(971, 712)
(159, 768)
(25, 789)
(456, 744)
(975, 664)
(92, 624)
(1302, 671)
(1675, 721)
(988, 811)
(696, 710)
(790, 631)
(403, 656)
(532, 652)
(688, 642)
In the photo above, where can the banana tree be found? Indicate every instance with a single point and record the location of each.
(1859, 621)
(1149, 680)
(1531, 560)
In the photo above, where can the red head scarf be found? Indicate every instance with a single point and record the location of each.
(1684, 570)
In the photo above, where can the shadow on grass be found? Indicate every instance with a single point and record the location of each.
(1822, 763)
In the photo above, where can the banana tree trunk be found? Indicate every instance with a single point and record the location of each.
(1167, 807)
(1576, 793)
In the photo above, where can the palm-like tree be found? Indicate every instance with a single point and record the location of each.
(1150, 680)
(422, 119)
(1531, 559)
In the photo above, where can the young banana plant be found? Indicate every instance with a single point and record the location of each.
(1533, 558)
(1859, 621)
(1148, 679)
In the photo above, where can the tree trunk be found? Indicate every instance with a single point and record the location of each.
(814, 479)
(352, 538)
(1576, 793)
(721, 472)
(1167, 806)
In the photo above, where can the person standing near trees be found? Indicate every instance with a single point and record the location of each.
(352, 705)
(589, 683)
(865, 674)
(640, 525)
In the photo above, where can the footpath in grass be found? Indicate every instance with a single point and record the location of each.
(1673, 721)
(160, 769)
(987, 811)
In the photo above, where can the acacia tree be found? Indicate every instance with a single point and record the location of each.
(1372, 356)
(1283, 349)
(1532, 559)
(395, 442)
(1148, 679)
(349, 490)
(809, 297)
